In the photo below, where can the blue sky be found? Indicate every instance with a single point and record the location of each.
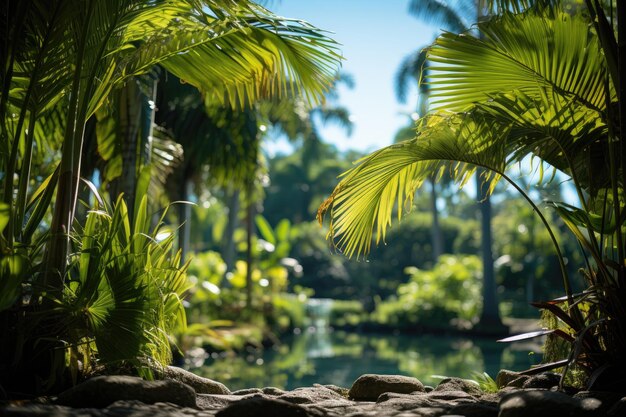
(375, 37)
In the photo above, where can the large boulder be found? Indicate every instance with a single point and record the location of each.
(100, 391)
(199, 384)
(310, 395)
(458, 384)
(506, 378)
(263, 407)
(368, 387)
(544, 380)
(543, 403)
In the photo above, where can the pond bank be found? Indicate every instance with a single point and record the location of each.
(336, 357)
(370, 395)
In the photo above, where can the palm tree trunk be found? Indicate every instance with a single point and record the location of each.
(69, 173)
(249, 258)
(490, 316)
(435, 230)
(136, 118)
(129, 127)
(184, 219)
(228, 247)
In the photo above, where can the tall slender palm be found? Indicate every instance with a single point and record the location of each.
(552, 94)
(456, 16)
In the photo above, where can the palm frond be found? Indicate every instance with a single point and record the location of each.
(340, 116)
(443, 13)
(527, 53)
(494, 135)
(249, 55)
(557, 129)
(384, 182)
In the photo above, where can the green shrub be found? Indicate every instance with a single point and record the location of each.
(289, 311)
(451, 290)
(346, 313)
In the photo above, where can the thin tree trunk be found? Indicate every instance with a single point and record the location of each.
(130, 103)
(530, 280)
(228, 247)
(490, 316)
(249, 258)
(435, 230)
(69, 174)
(184, 218)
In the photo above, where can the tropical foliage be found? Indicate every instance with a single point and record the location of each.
(551, 102)
(450, 291)
(61, 63)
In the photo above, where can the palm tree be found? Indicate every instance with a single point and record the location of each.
(452, 16)
(551, 96)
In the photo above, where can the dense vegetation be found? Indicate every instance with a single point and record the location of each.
(140, 217)
(555, 96)
(97, 282)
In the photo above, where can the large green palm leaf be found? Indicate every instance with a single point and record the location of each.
(532, 110)
(244, 56)
(528, 53)
(383, 183)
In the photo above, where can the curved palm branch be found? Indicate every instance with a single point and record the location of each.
(553, 117)
(384, 182)
(237, 57)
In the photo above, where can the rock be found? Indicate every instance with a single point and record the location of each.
(247, 391)
(100, 391)
(545, 380)
(474, 410)
(607, 398)
(217, 401)
(458, 384)
(425, 412)
(36, 410)
(199, 384)
(310, 395)
(505, 377)
(273, 391)
(461, 396)
(368, 387)
(542, 403)
(428, 388)
(403, 402)
(491, 398)
(519, 382)
(263, 407)
(339, 390)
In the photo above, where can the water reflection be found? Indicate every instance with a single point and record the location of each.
(327, 357)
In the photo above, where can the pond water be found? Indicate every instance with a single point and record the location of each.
(336, 357)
